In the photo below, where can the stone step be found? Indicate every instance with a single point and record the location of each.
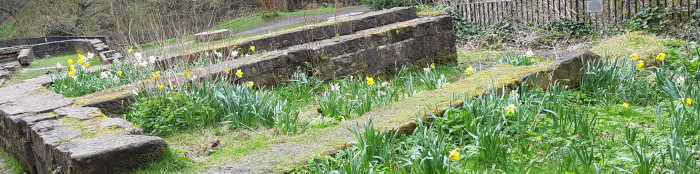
(289, 152)
(47, 133)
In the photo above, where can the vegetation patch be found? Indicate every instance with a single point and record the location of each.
(11, 163)
(647, 46)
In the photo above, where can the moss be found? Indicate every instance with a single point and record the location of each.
(95, 131)
(645, 45)
(103, 95)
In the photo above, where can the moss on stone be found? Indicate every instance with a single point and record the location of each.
(89, 127)
(646, 45)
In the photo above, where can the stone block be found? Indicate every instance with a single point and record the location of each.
(111, 154)
(212, 35)
(25, 57)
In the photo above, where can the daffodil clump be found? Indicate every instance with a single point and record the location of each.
(80, 79)
(519, 59)
(201, 104)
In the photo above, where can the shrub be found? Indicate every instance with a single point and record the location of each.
(650, 18)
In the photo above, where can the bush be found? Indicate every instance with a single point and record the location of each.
(648, 19)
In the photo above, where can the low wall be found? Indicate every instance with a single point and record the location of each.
(38, 40)
(304, 35)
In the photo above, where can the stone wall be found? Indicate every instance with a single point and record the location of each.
(38, 40)
(47, 133)
(304, 35)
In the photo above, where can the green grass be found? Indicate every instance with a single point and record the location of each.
(7, 31)
(63, 59)
(11, 163)
(245, 23)
(464, 56)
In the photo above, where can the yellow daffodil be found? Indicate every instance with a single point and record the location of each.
(661, 56)
(370, 81)
(80, 61)
(686, 101)
(510, 109)
(640, 64)
(87, 64)
(252, 48)
(130, 50)
(249, 84)
(161, 87)
(432, 66)
(187, 74)
(80, 56)
(469, 70)
(239, 73)
(119, 72)
(634, 57)
(158, 73)
(228, 70)
(71, 73)
(70, 61)
(72, 67)
(454, 154)
(539, 138)
(625, 105)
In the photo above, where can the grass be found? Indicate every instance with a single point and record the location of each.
(245, 23)
(7, 31)
(477, 55)
(61, 58)
(647, 46)
(11, 163)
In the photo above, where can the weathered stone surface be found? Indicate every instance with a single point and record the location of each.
(29, 97)
(25, 57)
(112, 154)
(116, 122)
(212, 35)
(80, 113)
(304, 35)
(568, 67)
(42, 142)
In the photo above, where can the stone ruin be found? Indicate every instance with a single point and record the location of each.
(49, 133)
(24, 51)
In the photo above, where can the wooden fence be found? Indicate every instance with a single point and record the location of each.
(489, 12)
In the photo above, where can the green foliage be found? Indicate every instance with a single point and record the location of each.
(463, 28)
(172, 161)
(572, 27)
(79, 81)
(650, 18)
(517, 59)
(211, 103)
(7, 31)
(11, 163)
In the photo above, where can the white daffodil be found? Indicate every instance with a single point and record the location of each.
(90, 55)
(151, 59)
(427, 70)
(135, 91)
(529, 53)
(335, 87)
(234, 53)
(138, 56)
(384, 84)
(218, 54)
(106, 74)
(680, 80)
(58, 65)
(75, 78)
